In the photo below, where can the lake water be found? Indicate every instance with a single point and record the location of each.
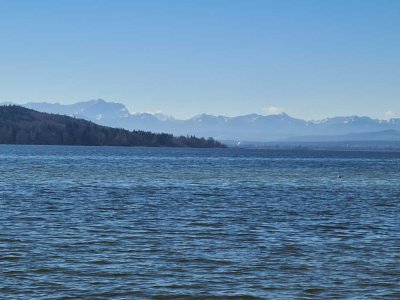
(132, 223)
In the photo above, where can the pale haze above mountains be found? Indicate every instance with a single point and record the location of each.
(252, 127)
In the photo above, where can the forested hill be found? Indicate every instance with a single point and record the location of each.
(19, 125)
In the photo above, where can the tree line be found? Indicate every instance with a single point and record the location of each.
(19, 125)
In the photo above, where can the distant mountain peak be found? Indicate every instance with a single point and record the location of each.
(203, 116)
(153, 115)
(250, 127)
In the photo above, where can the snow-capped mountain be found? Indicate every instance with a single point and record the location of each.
(251, 127)
(92, 110)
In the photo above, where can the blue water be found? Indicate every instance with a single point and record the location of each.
(132, 223)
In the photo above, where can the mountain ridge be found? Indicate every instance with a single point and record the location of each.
(250, 127)
(21, 125)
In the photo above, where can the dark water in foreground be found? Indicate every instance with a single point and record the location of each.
(131, 223)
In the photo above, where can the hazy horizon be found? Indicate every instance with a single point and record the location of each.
(156, 112)
(311, 59)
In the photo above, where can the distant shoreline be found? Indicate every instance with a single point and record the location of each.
(395, 151)
(20, 125)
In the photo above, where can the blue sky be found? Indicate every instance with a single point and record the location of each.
(312, 59)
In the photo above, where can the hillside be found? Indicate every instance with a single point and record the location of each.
(251, 127)
(19, 125)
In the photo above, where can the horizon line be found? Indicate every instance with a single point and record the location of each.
(280, 113)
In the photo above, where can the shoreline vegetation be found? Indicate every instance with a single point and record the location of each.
(23, 126)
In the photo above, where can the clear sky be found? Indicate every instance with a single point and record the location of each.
(310, 58)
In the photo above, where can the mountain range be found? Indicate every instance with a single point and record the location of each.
(250, 127)
(21, 125)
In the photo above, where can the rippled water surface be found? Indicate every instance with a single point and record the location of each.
(131, 223)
